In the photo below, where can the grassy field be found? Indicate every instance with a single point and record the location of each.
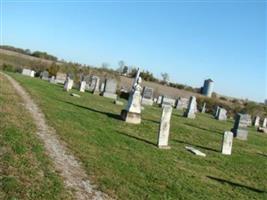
(25, 171)
(124, 161)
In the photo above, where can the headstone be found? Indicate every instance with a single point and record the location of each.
(52, 80)
(28, 72)
(95, 84)
(256, 121)
(147, 96)
(110, 89)
(182, 103)
(159, 100)
(191, 109)
(164, 129)
(132, 112)
(216, 111)
(221, 114)
(264, 123)
(82, 86)
(263, 130)
(203, 109)
(167, 101)
(240, 127)
(45, 75)
(68, 84)
(102, 87)
(61, 78)
(227, 143)
(195, 151)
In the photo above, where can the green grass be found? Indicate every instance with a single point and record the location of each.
(25, 171)
(124, 161)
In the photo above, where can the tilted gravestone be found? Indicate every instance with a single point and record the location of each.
(191, 109)
(182, 103)
(240, 127)
(102, 87)
(264, 123)
(95, 84)
(227, 143)
(203, 109)
(164, 129)
(82, 86)
(256, 121)
(216, 111)
(159, 100)
(147, 96)
(110, 89)
(68, 84)
(221, 114)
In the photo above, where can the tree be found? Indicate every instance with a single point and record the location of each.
(104, 65)
(125, 70)
(165, 77)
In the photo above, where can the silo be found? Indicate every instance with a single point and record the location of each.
(208, 87)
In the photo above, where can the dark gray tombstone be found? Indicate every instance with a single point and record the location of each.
(110, 89)
(147, 96)
(240, 127)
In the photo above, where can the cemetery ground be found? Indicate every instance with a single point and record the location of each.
(123, 159)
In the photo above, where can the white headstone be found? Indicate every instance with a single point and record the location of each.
(82, 86)
(68, 84)
(164, 129)
(191, 110)
(221, 114)
(264, 124)
(256, 121)
(28, 72)
(227, 143)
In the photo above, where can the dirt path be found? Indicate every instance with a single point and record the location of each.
(69, 168)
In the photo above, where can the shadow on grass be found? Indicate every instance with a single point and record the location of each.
(187, 143)
(111, 115)
(262, 154)
(236, 184)
(204, 129)
(136, 138)
(150, 120)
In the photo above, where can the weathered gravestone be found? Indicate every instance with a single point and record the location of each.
(216, 111)
(147, 96)
(227, 143)
(132, 112)
(203, 109)
(182, 103)
(68, 84)
(95, 84)
(159, 100)
(28, 72)
(110, 89)
(221, 114)
(52, 80)
(256, 121)
(264, 123)
(102, 87)
(191, 109)
(164, 129)
(45, 75)
(61, 78)
(167, 101)
(240, 127)
(82, 86)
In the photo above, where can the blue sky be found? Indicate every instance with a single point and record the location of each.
(192, 41)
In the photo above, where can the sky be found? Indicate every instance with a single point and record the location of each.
(189, 40)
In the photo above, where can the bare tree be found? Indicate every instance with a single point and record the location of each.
(165, 77)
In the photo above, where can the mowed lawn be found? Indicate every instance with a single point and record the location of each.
(25, 170)
(123, 160)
